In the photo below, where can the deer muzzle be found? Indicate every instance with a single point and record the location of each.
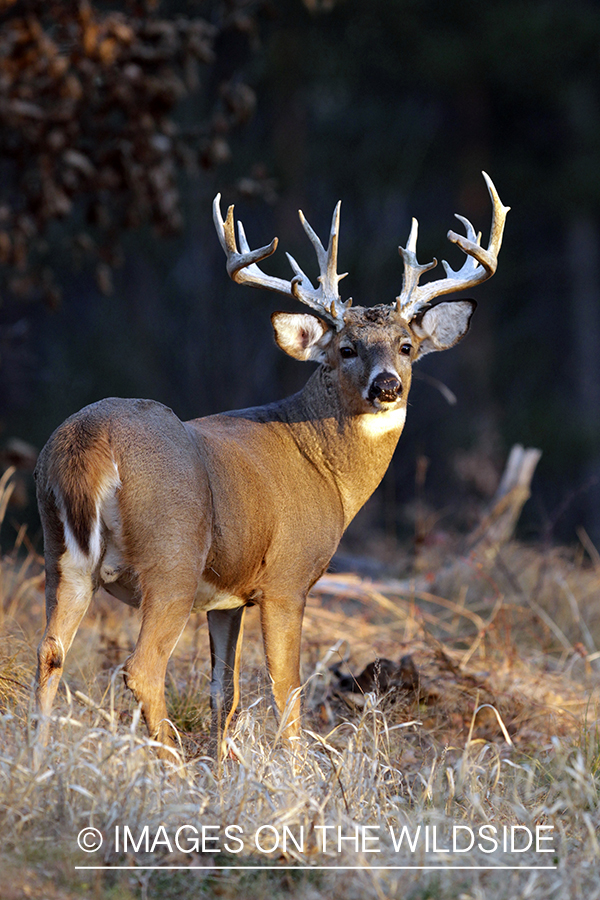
(385, 387)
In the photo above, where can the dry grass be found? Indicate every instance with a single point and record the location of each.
(498, 727)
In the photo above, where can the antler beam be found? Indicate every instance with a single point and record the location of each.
(243, 269)
(479, 265)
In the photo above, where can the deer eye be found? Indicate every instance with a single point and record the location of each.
(347, 352)
(405, 349)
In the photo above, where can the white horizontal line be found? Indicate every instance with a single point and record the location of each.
(309, 868)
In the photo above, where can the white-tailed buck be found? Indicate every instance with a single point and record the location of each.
(245, 507)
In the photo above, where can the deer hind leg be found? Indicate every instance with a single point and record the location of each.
(225, 627)
(69, 591)
(165, 612)
(281, 623)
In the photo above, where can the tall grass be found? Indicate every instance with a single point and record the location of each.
(501, 731)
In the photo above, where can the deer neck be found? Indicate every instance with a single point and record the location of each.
(355, 450)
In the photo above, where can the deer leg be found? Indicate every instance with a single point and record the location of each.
(225, 628)
(68, 594)
(282, 628)
(163, 621)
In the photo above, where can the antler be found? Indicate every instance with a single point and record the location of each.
(242, 266)
(479, 265)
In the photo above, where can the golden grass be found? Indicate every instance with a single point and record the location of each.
(499, 729)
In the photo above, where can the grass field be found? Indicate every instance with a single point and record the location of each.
(483, 731)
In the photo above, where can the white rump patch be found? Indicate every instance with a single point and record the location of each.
(376, 424)
(78, 558)
(107, 510)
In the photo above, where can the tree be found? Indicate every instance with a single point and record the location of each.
(88, 132)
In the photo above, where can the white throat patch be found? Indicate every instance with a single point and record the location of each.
(376, 424)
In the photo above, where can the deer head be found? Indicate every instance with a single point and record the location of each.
(370, 348)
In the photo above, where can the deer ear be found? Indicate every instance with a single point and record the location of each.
(301, 335)
(443, 326)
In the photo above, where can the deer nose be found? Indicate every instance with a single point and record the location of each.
(385, 387)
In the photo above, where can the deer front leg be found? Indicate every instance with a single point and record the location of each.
(224, 627)
(282, 628)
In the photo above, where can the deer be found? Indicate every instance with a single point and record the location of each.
(244, 507)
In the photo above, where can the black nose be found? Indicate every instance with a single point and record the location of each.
(385, 387)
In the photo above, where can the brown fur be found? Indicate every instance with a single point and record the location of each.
(75, 461)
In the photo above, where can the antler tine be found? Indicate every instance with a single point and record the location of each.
(243, 269)
(325, 299)
(489, 258)
(412, 269)
(480, 263)
(332, 253)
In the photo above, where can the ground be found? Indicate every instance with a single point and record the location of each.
(464, 697)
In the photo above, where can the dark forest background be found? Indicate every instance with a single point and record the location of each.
(120, 122)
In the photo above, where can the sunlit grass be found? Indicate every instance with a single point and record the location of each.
(501, 730)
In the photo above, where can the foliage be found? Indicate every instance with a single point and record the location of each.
(87, 126)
